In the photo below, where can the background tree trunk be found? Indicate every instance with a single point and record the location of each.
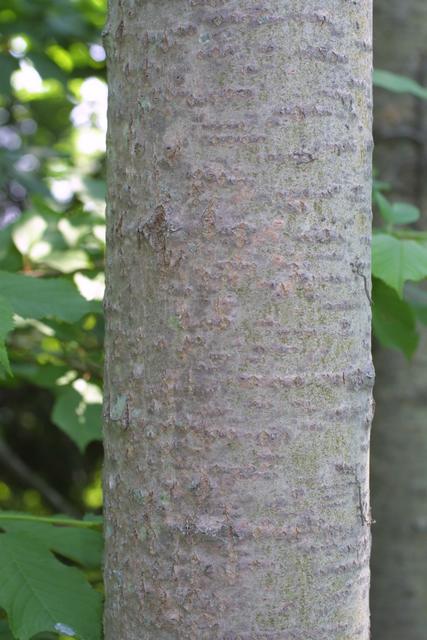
(399, 440)
(238, 367)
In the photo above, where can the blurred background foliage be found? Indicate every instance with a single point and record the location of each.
(53, 98)
(52, 141)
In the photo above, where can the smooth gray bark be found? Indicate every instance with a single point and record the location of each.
(238, 367)
(399, 440)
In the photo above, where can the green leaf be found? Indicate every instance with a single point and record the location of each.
(45, 376)
(398, 84)
(67, 261)
(5, 633)
(39, 593)
(394, 261)
(10, 259)
(66, 23)
(6, 317)
(95, 188)
(37, 236)
(83, 546)
(28, 231)
(380, 185)
(405, 213)
(6, 325)
(384, 207)
(92, 194)
(79, 418)
(44, 297)
(398, 212)
(393, 319)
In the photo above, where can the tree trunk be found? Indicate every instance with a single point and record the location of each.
(238, 366)
(399, 442)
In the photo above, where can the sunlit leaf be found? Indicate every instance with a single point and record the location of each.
(61, 57)
(27, 231)
(90, 288)
(67, 261)
(44, 297)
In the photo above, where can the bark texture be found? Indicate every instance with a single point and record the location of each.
(238, 367)
(399, 441)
